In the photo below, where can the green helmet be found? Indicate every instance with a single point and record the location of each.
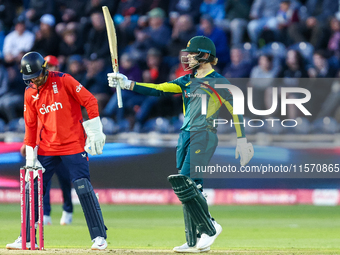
(201, 44)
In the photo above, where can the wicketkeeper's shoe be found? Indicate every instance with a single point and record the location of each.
(99, 243)
(17, 245)
(66, 218)
(186, 249)
(207, 241)
(47, 220)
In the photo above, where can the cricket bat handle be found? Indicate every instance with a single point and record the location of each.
(119, 96)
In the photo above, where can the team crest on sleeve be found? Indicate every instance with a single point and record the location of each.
(55, 87)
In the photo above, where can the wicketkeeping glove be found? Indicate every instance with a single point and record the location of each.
(118, 79)
(95, 137)
(245, 150)
(32, 161)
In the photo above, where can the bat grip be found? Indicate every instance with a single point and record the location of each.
(119, 96)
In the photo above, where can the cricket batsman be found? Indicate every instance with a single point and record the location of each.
(198, 140)
(62, 173)
(56, 99)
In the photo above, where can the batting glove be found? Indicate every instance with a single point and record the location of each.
(118, 79)
(32, 161)
(245, 150)
(31, 156)
(95, 137)
(35, 172)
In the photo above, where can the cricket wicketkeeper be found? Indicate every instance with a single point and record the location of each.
(56, 99)
(198, 140)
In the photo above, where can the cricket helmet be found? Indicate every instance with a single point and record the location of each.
(201, 44)
(32, 65)
(52, 60)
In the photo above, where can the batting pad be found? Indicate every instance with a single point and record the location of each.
(91, 208)
(190, 228)
(194, 202)
(28, 223)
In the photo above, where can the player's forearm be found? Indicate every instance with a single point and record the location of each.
(151, 89)
(146, 89)
(30, 136)
(239, 126)
(91, 106)
(132, 85)
(31, 125)
(86, 99)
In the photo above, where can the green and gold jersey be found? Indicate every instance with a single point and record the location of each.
(197, 92)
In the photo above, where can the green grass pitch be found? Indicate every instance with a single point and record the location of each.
(146, 229)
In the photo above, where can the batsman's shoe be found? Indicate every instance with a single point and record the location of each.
(66, 218)
(207, 241)
(186, 249)
(99, 243)
(17, 245)
(47, 220)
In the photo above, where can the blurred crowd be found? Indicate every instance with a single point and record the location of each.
(272, 43)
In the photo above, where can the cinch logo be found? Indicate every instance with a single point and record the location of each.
(50, 108)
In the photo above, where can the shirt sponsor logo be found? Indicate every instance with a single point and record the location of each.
(55, 88)
(50, 108)
(79, 87)
(188, 94)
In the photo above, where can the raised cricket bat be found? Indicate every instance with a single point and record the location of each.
(111, 35)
